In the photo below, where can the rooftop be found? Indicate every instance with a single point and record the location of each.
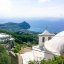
(46, 32)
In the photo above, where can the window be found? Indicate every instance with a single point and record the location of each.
(49, 38)
(43, 39)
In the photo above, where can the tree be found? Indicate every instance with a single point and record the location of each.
(4, 57)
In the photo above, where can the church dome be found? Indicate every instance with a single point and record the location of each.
(56, 44)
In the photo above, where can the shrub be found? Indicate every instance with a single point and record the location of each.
(4, 57)
(55, 60)
(17, 48)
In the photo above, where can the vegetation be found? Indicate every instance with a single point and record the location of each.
(24, 25)
(55, 60)
(18, 47)
(21, 37)
(4, 57)
(10, 26)
(25, 37)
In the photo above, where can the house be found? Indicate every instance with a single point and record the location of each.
(4, 36)
(6, 40)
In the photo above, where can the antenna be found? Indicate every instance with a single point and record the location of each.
(46, 28)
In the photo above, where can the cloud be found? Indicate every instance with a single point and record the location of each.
(44, 1)
(5, 7)
(47, 12)
(22, 8)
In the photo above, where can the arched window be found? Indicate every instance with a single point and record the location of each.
(49, 38)
(43, 39)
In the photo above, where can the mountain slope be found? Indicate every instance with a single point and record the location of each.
(10, 26)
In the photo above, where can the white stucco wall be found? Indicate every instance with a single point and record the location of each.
(41, 43)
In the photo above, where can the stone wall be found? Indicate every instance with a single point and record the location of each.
(16, 58)
(48, 55)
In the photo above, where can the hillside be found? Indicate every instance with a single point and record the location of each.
(10, 26)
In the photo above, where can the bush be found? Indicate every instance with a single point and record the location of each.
(17, 48)
(55, 60)
(31, 62)
(4, 57)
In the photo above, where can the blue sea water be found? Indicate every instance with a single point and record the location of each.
(39, 24)
(51, 25)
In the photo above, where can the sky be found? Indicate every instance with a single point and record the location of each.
(31, 8)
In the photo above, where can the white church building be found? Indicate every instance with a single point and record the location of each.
(43, 37)
(49, 45)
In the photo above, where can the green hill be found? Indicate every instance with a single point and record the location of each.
(15, 26)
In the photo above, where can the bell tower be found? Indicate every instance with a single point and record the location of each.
(45, 36)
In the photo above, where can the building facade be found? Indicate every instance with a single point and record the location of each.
(45, 36)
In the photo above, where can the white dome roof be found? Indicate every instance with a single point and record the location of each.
(56, 44)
